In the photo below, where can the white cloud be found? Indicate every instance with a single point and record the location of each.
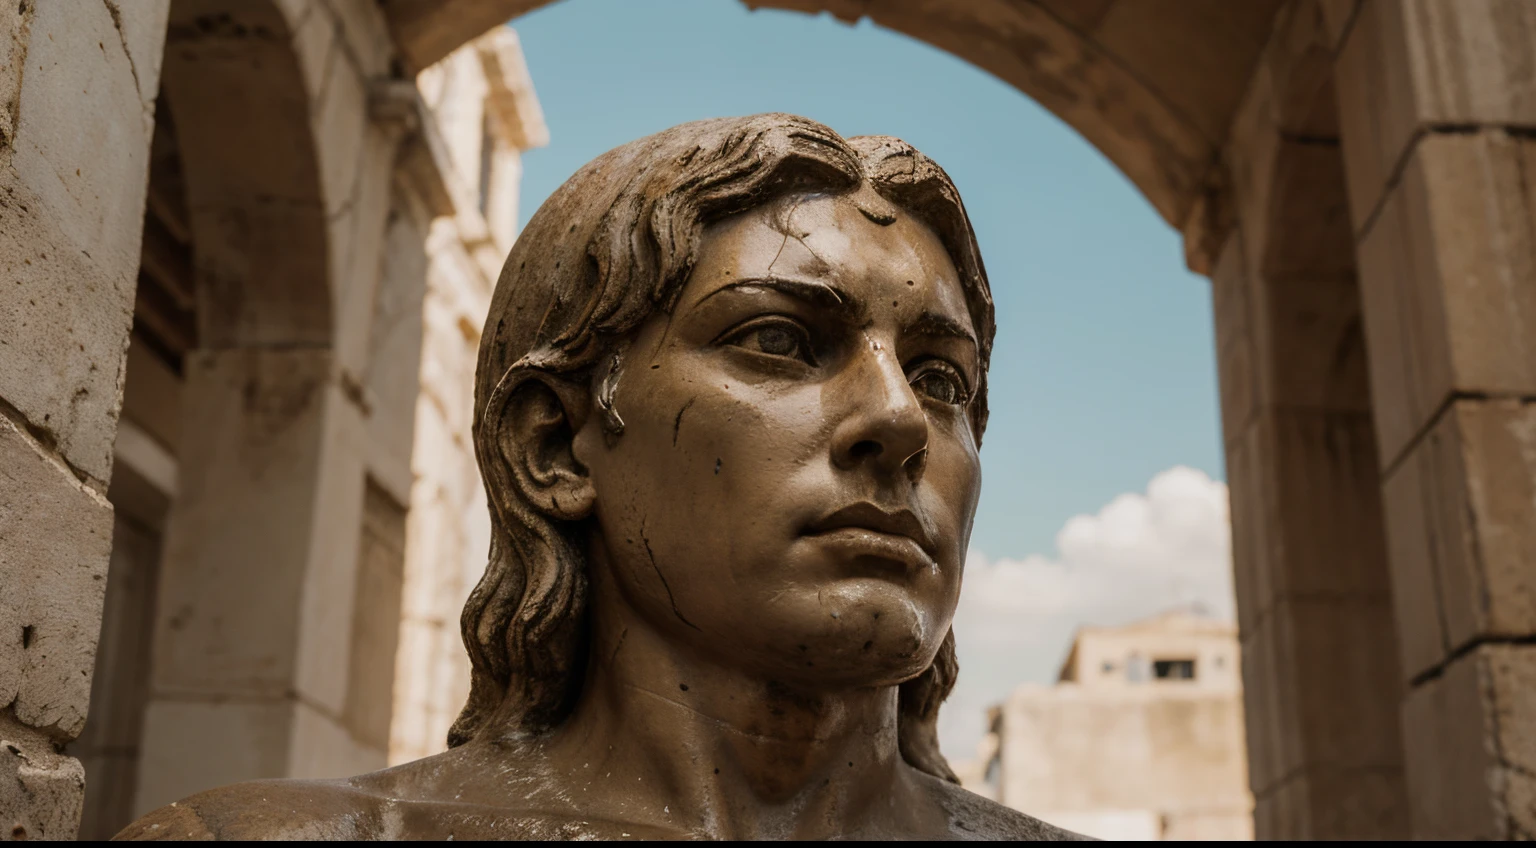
(1141, 554)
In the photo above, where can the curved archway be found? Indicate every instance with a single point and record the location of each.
(253, 190)
(1154, 86)
(1223, 116)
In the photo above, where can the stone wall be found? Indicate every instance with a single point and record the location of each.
(77, 89)
(1438, 116)
(269, 392)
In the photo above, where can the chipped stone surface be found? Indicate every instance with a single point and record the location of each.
(40, 791)
(57, 535)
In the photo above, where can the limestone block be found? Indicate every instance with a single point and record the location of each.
(141, 25)
(1468, 498)
(55, 536)
(82, 143)
(194, 745)
(1412, 64)
(41, 792)
(1470, 740)
(1445, 279)
(64, 321)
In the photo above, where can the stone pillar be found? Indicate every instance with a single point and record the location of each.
(1437, 100)
(1319, 655)
(77, 90)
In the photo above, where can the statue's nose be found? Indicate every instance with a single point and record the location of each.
(884, 424)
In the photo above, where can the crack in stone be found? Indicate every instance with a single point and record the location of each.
(122, 37)
(670, 599)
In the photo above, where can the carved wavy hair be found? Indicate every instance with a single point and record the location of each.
(611, 246)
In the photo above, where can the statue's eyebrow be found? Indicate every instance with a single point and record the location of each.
(817, 293)
(934, 324)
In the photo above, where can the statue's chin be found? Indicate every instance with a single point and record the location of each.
(853, 634)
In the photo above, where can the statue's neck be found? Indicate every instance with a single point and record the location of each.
(716, 750)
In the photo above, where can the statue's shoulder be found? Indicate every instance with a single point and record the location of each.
(266, 809)
(974, 817)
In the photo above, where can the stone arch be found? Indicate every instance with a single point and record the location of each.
(1224, 116)
(1154, 86)
(255, 200)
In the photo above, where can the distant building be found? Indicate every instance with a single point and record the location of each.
(1141, 737)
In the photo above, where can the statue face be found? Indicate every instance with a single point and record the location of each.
(795, 483)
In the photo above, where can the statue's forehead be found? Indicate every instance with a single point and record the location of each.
(838, 238)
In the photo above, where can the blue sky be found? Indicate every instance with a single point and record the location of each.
(1104, 370)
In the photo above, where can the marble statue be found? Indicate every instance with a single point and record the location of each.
(727, 409)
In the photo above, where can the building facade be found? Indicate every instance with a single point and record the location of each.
(1353, 176)
(1141, 737)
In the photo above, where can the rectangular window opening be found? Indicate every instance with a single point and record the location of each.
(1173, 669)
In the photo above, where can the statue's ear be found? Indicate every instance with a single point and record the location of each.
(535, 429)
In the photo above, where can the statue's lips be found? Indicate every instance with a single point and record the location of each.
(856, 542)
(866, 530)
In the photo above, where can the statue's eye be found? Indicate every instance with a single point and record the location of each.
(938, 380)
(775, 337)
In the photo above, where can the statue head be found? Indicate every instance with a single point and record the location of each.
(735, 371)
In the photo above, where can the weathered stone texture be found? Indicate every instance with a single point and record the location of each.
(55, 537)
(141, 27)
(1471, 750)
(1463, 531)
(40, 790)
(57, 300)
(86, 166)
(1409, 65)
(71, 201)
(1446, 276)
